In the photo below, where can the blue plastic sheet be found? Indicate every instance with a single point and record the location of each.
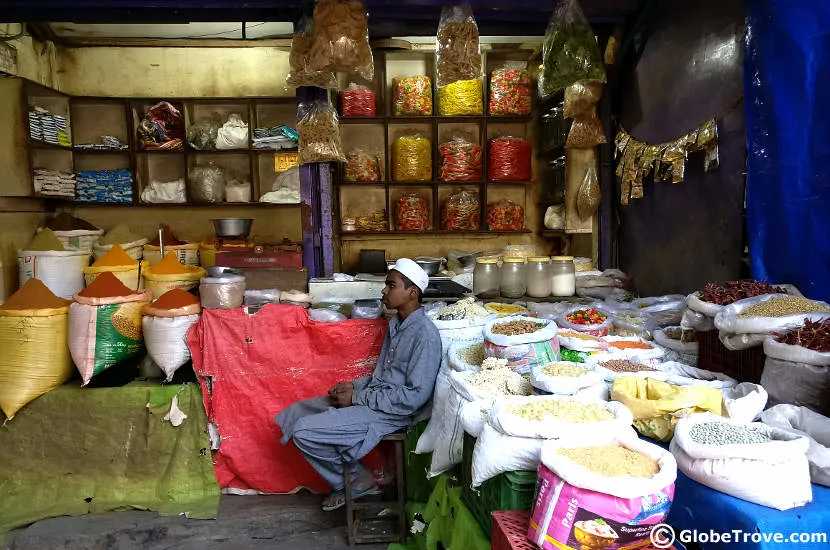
(787, 86)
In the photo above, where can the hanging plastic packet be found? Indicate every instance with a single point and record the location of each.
(459, 160)
(589, 194)
(412, 158)
(300, 72)
(361, 167)
(458, 58)
(586, 132)
(510, 90)
(461, 212)
(319, 134)
(341, 38)
(581, 98)
(569, 52)
(412, 96)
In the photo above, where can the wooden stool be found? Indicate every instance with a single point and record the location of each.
(380, 529)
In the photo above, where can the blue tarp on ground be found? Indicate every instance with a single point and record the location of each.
(787, 85)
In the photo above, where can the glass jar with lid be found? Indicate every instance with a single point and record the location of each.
(486, 278)
(513, 278)
(538, 277)
(563, 275)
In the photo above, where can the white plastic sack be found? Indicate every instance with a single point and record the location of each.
(739, 342)
(474, 416)
(797, 384)
(238, 191)
(471, 330)
(795, 354)
(675, 349)
(774, 474)
(456, 362)
(700, 322)
(744, 402)
(680, 374)
(426, 443)
(564, 385)
(500, 417)
(323, 315)
(622, 487)
(61, 271)
(570, 339)
(496, 453)
(646, 356)
(728, 319)
(233, 134)
(547, 310)
(597, 392)
(165, 339)
(802, 421)
(449, 443)
(523, 351)
(596, 360)
(160, 192)
(600, 329)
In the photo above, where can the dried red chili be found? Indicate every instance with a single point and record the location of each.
(505, 215)
(813, 335)
(732, 291)
(459, 160)
(461, 212)
(412, 213)
(510, 159)
(357, 101)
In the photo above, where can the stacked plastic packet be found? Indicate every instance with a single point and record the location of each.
(111, 186)
(108, 143)
(54, 183)
(49, 127)
(36, 124)
(275, 137)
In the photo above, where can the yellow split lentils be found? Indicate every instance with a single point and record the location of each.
(563, 369)
(612, 461)
(563, 409)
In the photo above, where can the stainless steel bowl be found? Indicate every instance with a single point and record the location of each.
(230, 228)
(218, 271)
(430, 265)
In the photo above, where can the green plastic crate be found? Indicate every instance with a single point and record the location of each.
(418, 487)
(507, 491)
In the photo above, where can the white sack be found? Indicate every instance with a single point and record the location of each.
(744, 402)
(774, 474)
(233, 134)
(686, 375)
(564, 385)
(728, 319)
(496, 453)
(165, 339)
(795, 354)
(474, 416)
(426, 443)
(802, 421)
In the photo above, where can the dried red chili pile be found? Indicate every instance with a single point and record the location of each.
(510, 159)
(813, 335)
(732, 291)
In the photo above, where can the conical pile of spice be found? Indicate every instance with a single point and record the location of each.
(106, 285)
(45, 241)
(115, 257)
(33, 295)
(169, 265)
(120, 234)
(174, 299)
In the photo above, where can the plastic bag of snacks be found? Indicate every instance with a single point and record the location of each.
(361, 167)
(461, 212)
(374, 221)
(357, 101)
(586, 132)
(459, 160)
(412, 96)
(510, 159)
(319, 134)
(457, 48)
(412, 158)
(580, 99)
(569, 52)
(412, 213)
(510, 91)
(341, 38)
(460, 98)
(300, 73)
(505, 215)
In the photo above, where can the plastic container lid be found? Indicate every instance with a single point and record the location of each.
(562, 258)
(539, 259)
(487, 261)
(223, 280)
(514, 260)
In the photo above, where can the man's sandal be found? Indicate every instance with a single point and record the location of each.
(337, 499)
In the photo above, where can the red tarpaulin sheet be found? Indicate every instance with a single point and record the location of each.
(251, 367)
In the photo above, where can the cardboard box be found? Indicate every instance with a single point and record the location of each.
(261, 278)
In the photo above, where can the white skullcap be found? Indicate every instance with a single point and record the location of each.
(413, 272)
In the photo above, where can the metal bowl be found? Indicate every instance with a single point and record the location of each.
(218, 271)
(430, 265)
(230, 228)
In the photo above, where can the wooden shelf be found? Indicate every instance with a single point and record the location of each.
(431, 232)
(78, 151)
(509, 183)
(37, 144)
(184, 204)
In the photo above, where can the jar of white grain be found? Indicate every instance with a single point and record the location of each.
(563, 275)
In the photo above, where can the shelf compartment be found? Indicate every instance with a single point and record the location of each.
(162, 168)
(93, 118)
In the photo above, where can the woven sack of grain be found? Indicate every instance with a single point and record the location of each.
(522, 351)
(34, 357)
(773, 473)
(105, 331)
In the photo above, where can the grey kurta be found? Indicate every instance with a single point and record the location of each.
(383, 403)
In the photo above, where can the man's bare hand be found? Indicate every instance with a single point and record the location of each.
(341, 394)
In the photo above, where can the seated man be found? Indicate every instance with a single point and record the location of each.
(335, 431)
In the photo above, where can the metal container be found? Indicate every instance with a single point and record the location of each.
(230, 228)
(430, 265)
(216, 271)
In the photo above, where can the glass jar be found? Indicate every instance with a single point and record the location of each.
(563, 275)
(513, 278)
(486, 278)
(538, 277)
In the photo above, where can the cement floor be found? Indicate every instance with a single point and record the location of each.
(292, 522)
